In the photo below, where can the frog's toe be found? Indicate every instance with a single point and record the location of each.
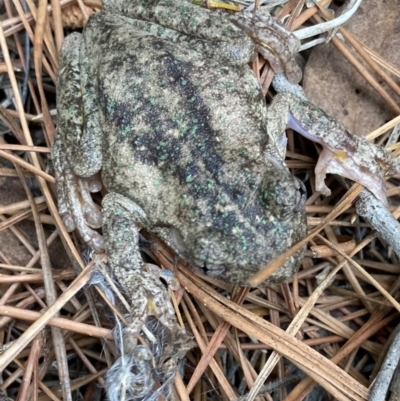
(96, 242)
(76, 211)
(91, 211)
(93, 216)
(94, 183)
(320, 185)
(278, 45)
(75, 204)
(65, 215)
(293, 71)
(281, 61)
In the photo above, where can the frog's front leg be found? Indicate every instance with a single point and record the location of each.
(141, 282)
(342, 153)
(76, 150)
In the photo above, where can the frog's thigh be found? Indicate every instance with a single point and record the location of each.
(79, 120)
(60, 166)
(70, 205)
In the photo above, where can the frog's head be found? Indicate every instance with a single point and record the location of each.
(241, 242)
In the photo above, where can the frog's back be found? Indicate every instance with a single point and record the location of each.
(178, 127)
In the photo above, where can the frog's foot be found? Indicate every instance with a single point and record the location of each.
(141, 282)
(133, 376)
(147, 297)
(76, 206)
(171, 347)
(273, 40)
(342, 163)
(154, 299)
(344, 154)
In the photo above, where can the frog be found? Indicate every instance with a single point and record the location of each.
(181, 144)
(156, 102)
(169, 118)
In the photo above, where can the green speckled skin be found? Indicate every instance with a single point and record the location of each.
(177, 123)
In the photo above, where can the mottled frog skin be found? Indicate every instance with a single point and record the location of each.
(177, 124)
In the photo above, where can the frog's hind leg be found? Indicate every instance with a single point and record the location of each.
(76, 150)
(140, 282)
(77, 109)
(146, 295)
(344, 154)
(71, 191)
